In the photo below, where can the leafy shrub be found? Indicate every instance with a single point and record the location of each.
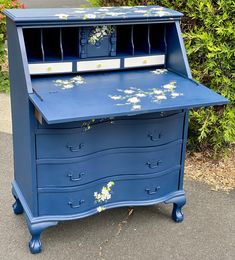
(209, 34)
(4, 82)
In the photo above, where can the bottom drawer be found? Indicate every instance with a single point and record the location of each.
(96, 195)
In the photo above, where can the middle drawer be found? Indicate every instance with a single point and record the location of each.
(124, 161)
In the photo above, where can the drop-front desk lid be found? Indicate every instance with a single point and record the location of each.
(70, 98)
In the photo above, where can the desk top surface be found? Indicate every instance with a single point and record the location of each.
(68, 98)
(92, 15)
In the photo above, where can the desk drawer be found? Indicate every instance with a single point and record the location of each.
(66, 143)
(97, 65)
(50, 68)
(72, 172)
(144, 61)
(125, 191)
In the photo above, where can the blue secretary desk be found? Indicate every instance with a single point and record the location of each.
(100, 101)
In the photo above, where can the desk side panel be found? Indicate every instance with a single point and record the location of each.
(22, 118)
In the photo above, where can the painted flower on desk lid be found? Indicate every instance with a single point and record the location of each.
(89, 16)
(62, 16)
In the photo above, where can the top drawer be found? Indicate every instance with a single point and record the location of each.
(66, 143)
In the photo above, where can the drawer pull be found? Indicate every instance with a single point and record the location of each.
(98, 66)
(74, 179)
(75, 206)
(152, 192)
(154, 165)
(75, 148)
(155, 138)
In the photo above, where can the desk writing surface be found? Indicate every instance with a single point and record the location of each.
(68, 98)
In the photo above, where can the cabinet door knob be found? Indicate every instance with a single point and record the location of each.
(75, 206)
(152, 191)
(74, 179)
(75, 148)
(154, 165)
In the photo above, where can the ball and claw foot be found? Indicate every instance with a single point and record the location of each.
(17, 207)
(177, 214)
(35, 245)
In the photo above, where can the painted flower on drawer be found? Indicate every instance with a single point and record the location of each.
(104, 195)
(99, 32)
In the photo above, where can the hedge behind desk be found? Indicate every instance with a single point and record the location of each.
(100, 101)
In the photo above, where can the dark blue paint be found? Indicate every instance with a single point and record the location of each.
(83, 102)
(61, 163)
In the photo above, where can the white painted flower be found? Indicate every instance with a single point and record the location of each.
(89, 16)
(140, 11)
(128, 91)
(157, 91)
(140, 95)
(110, 184)
(133, 100)
(159, 71)
(156, 8)
(114, 14)
(162, 13)
(103, 9)
(136, 107)
(62, 16)
(79, 11)
(176, 94)
(161, 97)
(169, 86)
(100, 209)
(116, 97)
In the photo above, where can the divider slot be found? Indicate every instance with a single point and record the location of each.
(70, 42)
(52, 44)
(32, 38)
(141, 39)
(157, 38)
(125, 44)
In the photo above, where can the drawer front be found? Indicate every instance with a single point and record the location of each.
(44, 125)
(50, 68)
(97, 65)
(67, 143)
(88, 197)
(144, 61)
(64, 173)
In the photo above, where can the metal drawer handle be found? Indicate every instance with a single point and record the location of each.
(154, 191)
(153, 165)
(155, 138)
(70, 175)
(73, 206)
(75, 148)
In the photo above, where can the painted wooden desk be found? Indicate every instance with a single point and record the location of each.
(100, 101)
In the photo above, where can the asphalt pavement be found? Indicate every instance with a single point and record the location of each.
(208, 231)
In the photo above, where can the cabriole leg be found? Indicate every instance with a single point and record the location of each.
(35, 244)
(17, 207)
(178, 203)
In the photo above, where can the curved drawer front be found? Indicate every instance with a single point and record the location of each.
(62, 173)
(119, 190)
(117, 134)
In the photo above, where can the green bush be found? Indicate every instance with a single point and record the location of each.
(4, 82)
(209, 34)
